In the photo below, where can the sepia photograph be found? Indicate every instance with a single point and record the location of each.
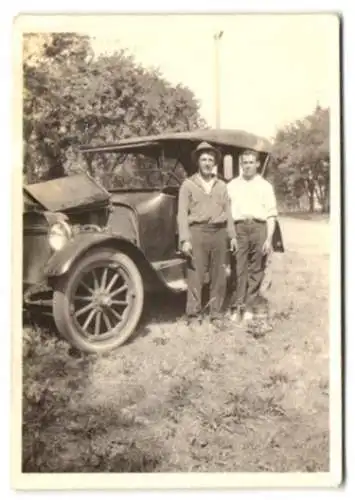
(178, 273)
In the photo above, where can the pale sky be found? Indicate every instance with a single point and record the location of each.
(273, 68)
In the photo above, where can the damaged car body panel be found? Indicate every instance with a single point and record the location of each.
(78, 191)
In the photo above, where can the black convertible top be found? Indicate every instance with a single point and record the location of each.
(174, 141)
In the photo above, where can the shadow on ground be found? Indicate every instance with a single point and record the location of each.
(63, 430)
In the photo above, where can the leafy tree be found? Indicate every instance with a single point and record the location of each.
(50, 62)
(301, 159)
(72, 97)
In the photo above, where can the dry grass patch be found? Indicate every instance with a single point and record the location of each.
(176, 399)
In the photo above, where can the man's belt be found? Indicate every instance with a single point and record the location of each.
(209, 225)
(249, 220)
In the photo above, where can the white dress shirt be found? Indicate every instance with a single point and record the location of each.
(254, 198)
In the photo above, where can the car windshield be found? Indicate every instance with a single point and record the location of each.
(118, 171)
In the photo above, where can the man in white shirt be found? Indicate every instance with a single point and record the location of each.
(254, 212)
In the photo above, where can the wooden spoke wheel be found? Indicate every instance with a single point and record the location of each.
(98, 304)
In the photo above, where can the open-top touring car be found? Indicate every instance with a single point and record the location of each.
(92, 252)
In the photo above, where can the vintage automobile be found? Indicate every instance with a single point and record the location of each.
(91, 253)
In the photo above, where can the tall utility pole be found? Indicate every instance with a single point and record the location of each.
(217, 37)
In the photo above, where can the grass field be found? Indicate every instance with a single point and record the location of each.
(203, 400)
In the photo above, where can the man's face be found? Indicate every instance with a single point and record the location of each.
(249, 165)
(206, 162)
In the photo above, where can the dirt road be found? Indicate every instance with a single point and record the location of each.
(306, 236)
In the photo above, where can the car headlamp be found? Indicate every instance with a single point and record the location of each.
(59, 234)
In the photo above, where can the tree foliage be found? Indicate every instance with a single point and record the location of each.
(72, 97)
(301, 159)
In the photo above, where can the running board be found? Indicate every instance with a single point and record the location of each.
(172, 272)
(178, 285)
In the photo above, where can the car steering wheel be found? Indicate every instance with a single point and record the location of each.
(172, 174)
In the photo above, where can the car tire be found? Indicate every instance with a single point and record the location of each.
(84, 310)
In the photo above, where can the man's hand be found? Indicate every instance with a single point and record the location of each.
(267, 246)
(233, 245)
(186, 248)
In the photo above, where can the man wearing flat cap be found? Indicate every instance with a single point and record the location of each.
(205, 223)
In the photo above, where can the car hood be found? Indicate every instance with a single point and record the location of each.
(77, 191)
(133, 199)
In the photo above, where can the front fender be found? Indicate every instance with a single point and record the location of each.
(62, 260)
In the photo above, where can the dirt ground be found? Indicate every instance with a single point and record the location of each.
(204, 400)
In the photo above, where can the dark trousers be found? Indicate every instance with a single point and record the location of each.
(209, 247)
(250, 263)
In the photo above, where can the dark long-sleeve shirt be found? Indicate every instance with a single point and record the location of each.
(196, 206)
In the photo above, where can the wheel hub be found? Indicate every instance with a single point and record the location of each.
(101, 300)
